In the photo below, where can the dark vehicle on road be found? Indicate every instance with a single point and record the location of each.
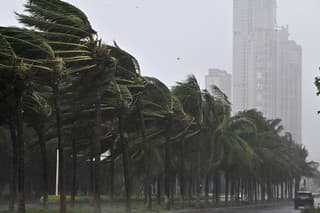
(303, 199)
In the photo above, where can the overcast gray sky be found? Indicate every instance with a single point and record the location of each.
(199, 32)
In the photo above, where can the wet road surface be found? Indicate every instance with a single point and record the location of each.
(288, 208)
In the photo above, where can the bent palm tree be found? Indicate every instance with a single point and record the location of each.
(70, 34)
(17, 68)
(37, 112)
(190, 96)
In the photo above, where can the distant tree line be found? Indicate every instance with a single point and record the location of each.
(118, 132)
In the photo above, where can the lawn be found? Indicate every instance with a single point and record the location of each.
(75, 210)
(311, 210)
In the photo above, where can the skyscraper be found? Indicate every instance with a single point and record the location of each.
(221, 79)
(265, 65)
(289, 89)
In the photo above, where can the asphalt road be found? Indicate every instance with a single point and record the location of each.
(269, 209)
(276, 208)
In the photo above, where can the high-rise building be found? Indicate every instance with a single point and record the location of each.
(289, 88)
(221, 79)
(253, 47)
(265, 65)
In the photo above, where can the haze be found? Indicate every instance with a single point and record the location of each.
(174, 38)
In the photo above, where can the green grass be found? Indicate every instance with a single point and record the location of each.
(82, 210)
(86, 199)
(75, 210)
(137, 207)
(311, 210)
(55, 199)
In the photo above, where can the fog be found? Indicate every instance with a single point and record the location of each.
(199, 33)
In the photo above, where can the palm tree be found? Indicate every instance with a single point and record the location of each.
(7, 115)
(70, 37)
(235, 150)
(19, 67)
(90, 87)
(216, 109)
(146, 153)
(190, 96)
(163, 114)
(160, 107)
(37, 112)
(125, 100)
(183, 125)
(128, 84)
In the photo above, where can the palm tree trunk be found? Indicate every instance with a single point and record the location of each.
(63, 206)
(146, 158)
(91, 185)
(282, 190)
(172, 191)
(232, 188)
(297, 184)
(21, 185)
(125, 159)
(286, 189)
(159, 189)
(226, 188)
(263, 190)
(111, 178)
(182, 174)
(250, 188)
(238, 190)
(289, 189)
(13, 182)
(260, 194)
(145, 192)
(255, 190)
(97, 150)
(243, 186)
(269, 190)
(190, 190)
(246, 184)
(258, 191)
(207, 189)
(198, 176)
(167, 167)
(217, 185)
(74, 170)
(291, 185)
(45, 176)
(213, 188)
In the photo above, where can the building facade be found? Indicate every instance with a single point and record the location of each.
(221, 79)
(289, 88)
(265, 65)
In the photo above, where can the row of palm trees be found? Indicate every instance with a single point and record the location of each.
(89, 100)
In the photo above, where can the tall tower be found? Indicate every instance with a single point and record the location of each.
(263, 65)
(289, 88)
(253, 38)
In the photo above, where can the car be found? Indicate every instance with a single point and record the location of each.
(303, 198)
